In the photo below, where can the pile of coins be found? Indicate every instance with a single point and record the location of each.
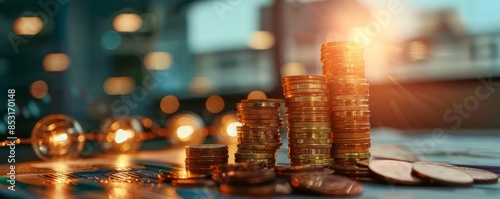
(199, 158)
(344, 70)
(308, 119)
(259, 136)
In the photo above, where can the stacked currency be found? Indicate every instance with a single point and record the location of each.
(259, 136)
(199, 158)
(344, 70)
(308, 120)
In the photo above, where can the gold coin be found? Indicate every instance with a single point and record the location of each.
(357, 150)
(302, 77)
(298, 115)
(342, 45)
(346, 146)
(354, 60)
(351, 155)
(307, 109)
(351, 135)
(254, 155)
(303, 86)
(293, 105)
(309, 151)
(322, 161)
(258, 117)
(256, 129)
(345, 81)
(309, 136)
(309, 146)
(310, 130)
(350, 108)
(309, 124)
(351, 141)
(310, 156)
(310, 141)
(308, 99)
(349, 102)
(350, 113)
(257, 104)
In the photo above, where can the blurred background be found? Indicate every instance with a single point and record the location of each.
(430, 64)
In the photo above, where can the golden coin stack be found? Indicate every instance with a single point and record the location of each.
(259, 136)
(344, 70)
(199, 158)
(308, 118)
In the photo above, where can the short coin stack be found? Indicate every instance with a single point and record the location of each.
(344, 70)
(259, 137)
(199, 158)
(308, 120)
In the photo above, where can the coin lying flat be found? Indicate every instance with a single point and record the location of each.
(441, 174)
(394, 171)
(175, 175)
(322, 184)
(278, 187)
(480, 176)
(192, 183)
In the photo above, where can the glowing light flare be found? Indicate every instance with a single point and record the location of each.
(127, 22)
(215, 104)
(231, 128)
(39, 89)
(169, 104)
(257, 94)
(27, 25)
(184, 132)
(118, 85)
(293, 68)
(56, 62)
(61, 137)
(123, 135)
(261, 40)
(158, 61)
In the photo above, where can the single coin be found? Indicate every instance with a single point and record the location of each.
(304, 86)
(339, 167)
(351, 155)
(193, 183)
(310, 124)
(358, 150)
(202, 147)
(309, 156)
(310, 141)
(319, 183)
(302, 77)
(394, 171)
(255, 155)
(480, 176)
(296, 105)
(351, 146)
(309, 146)
(309, 151)
(351, 141)
(441, 174)
(326, 135)
(353, 173)
(310, 161)
(364, 163)
(344, 60)
(350, 113)
(173, 175)
(349, 102)
(351, 135)
(308, 99)
(279, 187)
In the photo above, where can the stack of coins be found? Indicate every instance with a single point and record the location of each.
(343, 68)
(308, 119)
(199, 158)
(259, 136)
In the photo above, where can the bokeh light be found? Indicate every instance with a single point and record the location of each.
(186, 129)
(215, 104)
(111, 40)
(118, 85)
(27, 25)
(158, 61)
(257, 94)
(224, 127)
(293, 68)
(261, 40)
(127, 22)
(56, 62)
(119, 135)
(200, 85)
(169, 104)
(39, 89)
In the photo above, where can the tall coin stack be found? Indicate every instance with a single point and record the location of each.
(344, 70)
(199, 158)
(308, 119)
(259, 136)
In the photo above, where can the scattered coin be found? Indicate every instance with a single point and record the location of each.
(394, 172)
(441, 174)
(323, 184)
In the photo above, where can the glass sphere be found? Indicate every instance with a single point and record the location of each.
(121, 135)
(57, 137)
(186, 129)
